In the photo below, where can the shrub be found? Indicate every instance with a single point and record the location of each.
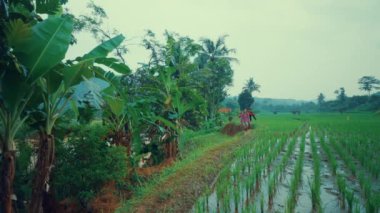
(85, 163)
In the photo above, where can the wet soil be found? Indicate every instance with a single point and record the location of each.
(329, 191)
(280, 199)
(304, 203)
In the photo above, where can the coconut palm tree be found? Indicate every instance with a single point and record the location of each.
(214, 51)
(251, 86)
(214, 62)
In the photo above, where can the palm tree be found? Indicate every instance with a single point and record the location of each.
(212, 51)
(215, 60)
(251, 86)
(369, 83)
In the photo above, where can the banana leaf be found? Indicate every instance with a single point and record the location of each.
(115, 65)
(46, 47)
(105, 48)
(116, 104)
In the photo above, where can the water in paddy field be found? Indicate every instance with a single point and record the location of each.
(304, 202)
(258, 200)
(329, 191)
(282, 193)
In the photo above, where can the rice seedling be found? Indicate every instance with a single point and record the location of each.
(263, 163)
(296, 178)
(342, 190)
(315, 186)
(332, 161)
(350, 199)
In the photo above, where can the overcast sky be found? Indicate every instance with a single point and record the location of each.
(293, 49)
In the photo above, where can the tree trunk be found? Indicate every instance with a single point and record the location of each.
(121, 138)
(7, 177)
(40, 190)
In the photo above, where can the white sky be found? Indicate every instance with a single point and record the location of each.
(293, 49)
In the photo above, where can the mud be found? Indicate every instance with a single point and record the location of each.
(232, 129)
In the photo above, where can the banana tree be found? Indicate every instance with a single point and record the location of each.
(56, 87)
(174, 83)
(122, 112)
(175, 106)
(35, 51)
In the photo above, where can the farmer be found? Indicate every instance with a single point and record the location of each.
(244, 119)
(251, 115)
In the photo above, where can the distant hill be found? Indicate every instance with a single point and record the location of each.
(275, 101)
(272, 104)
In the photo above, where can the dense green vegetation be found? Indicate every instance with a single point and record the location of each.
(61, 145)
(148, 112)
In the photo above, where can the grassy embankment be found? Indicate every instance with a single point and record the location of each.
(177, 187)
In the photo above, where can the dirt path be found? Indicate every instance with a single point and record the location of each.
(179, 191)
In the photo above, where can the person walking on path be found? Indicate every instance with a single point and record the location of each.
(244, 119)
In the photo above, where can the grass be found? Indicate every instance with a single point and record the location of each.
(206, 159)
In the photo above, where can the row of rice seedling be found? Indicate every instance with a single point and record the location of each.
(345, 156)
(276, 176)
(371, 198)
(239, 184)
(243, 174)
(345, 193)
(262, 165)
(364, 181)
(315, 185)
(331, 159)
(296, 180)
(362, 150)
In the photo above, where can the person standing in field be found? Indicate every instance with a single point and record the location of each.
(251, 115)
(244, 119)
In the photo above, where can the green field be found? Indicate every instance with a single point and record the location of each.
(302, 163)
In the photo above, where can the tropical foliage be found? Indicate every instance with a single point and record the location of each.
(180, 88)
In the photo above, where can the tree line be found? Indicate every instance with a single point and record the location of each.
(342, 103)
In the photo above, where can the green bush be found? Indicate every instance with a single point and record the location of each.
(85, 163)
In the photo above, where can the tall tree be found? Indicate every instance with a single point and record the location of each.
(368, 84)
(214, 63)
(321, 100)
(245, 99)
(252, 86)
(171, 78)
(341, 94)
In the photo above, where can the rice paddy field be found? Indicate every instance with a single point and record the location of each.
(302, 163)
